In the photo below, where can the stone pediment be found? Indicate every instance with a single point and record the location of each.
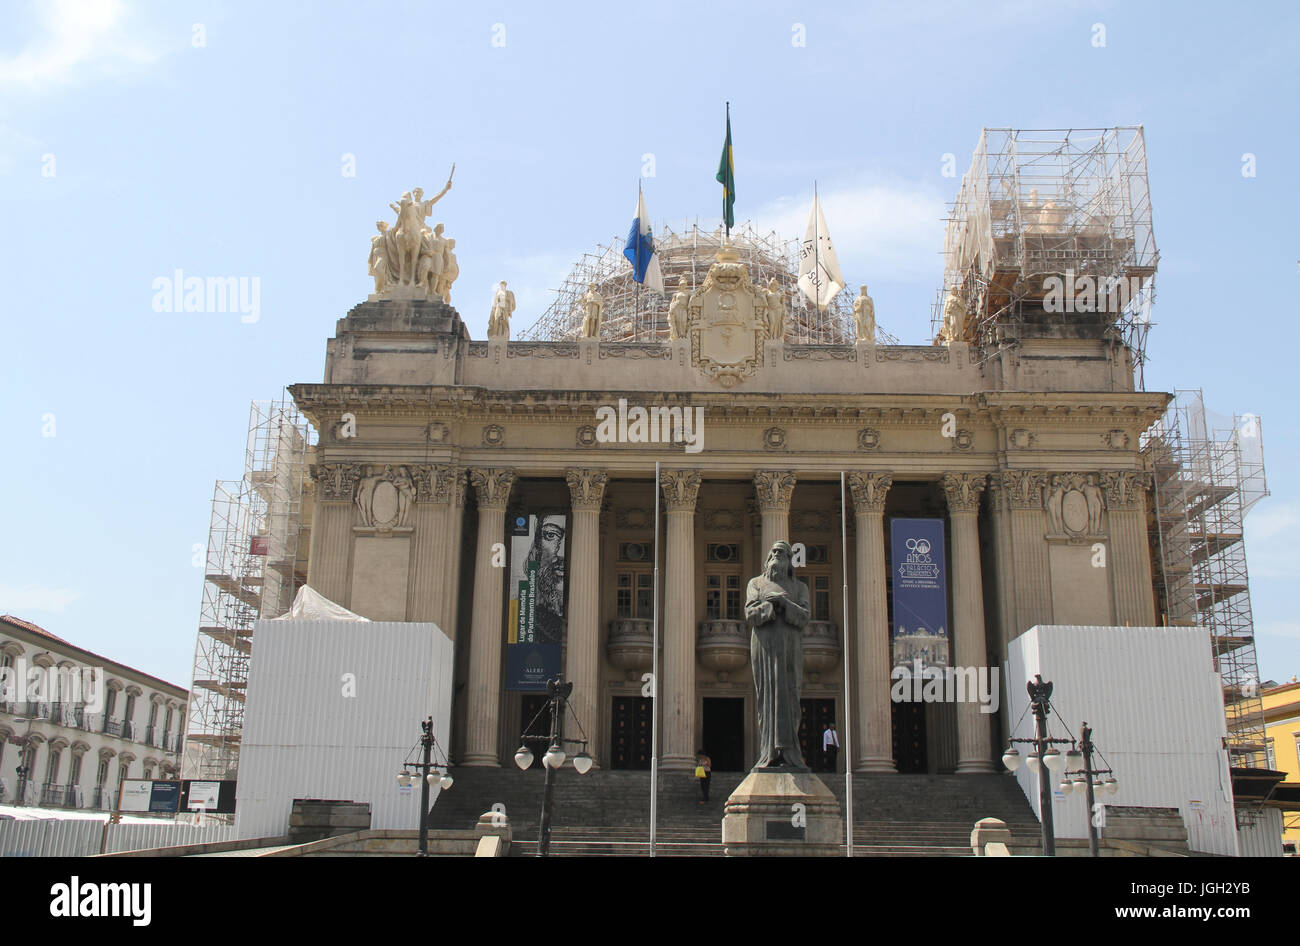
(726, 326)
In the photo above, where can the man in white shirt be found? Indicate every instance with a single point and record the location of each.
(830, 747)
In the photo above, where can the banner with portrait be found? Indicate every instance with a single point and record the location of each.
(918, 566)
(535, 627)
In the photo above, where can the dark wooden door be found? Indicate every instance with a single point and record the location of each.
(630, 733)
(724, 733)
(535, 723)
(909, 736)
(815, 716)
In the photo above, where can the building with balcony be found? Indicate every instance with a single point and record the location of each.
(74, 724)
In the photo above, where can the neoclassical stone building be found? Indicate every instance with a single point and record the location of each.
(435, 449)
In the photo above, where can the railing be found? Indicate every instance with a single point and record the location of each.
(93, 722)
(723, 645)
(113, 727)
(71, 796)
(128, 729)
(102, 799)
(52, 795)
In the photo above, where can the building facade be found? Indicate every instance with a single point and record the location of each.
(74, 724)
(436, 450)
(1282, 736)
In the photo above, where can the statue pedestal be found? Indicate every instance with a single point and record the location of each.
(782, 813)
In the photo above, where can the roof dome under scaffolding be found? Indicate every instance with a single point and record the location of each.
(635, 313)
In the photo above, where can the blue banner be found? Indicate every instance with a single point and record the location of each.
(535, 626)
(165, 797)
(920, 582)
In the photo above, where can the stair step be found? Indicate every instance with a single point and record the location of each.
(607, 812)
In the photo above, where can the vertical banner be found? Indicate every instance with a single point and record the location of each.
(917, 561)
(535, 628)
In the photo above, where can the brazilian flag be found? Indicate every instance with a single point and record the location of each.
(727, 177)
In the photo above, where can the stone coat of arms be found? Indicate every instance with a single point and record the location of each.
(727, 327)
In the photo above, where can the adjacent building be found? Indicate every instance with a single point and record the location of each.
(74, 724)
(1282, 735)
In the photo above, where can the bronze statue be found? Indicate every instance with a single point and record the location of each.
(776, 607)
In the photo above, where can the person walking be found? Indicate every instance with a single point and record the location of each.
(830, 747)
(703, 772)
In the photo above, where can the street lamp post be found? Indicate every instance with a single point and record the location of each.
(429, 769)
(557, 694)
(1046, 759)
(1093, 783)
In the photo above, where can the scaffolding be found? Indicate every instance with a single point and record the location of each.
(634, 313)
(1209, 473)
(255, 563)
(1037, 206)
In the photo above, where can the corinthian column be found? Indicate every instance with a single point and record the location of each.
(774, 489)
(484, 691)
(681, 488)
(587, 488)
(449, 614)
(1130, 553)
(331, 533)
(1031, 578)
(873, 744)
(970, 650)
(435, 553)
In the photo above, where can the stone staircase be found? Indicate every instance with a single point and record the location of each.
(608, 812)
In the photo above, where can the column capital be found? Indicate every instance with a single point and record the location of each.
(774, 489)
(963, 491)
(336, 482)
(1023, 488)
(492, 486)
(1124, 489)
(438, 483)
(681, 489)
(587, 487)
(869, 490)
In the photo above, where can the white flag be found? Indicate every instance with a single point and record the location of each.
(820, 278)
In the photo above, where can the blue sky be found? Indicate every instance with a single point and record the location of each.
(137, 139)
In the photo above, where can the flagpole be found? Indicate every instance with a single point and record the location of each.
(654, 684)
(733, 174)
(636, 293)
(848, 713)
(817, 251)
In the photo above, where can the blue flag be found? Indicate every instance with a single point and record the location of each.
(640, 249)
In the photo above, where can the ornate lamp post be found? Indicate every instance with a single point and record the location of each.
(431, 771)
(1045, 756)
(557, 699)
(1078, 763)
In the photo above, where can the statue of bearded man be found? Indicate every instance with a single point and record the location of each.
(776, 607)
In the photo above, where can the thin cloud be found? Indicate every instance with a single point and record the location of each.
(79, 40)
(1288, 629)
(20, 601)
(1270, 540)
(880, 228)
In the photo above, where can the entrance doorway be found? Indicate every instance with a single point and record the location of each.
(909, 737)
(815, 716)
(537, 736)
(630, 733)
(724, 733)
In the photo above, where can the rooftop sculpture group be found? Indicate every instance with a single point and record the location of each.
(410, 260)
